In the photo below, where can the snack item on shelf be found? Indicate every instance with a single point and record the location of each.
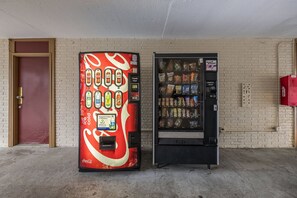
(193, 124)
(178, 89)
(177, 79)
(177, 65)
(186, 78)
(159, 101)
(162, 123)
(167, 102)
(163, 102)
(195, 113)
(179, 112)
(180, 101)
(164, 112)
(183, 113)
(170, 122)
(186, 66)
(162, 66)
(188, 113)
(171, 113)
(196, 101)
(194, 77)
(170, 76)
(187, 101)
(170, 66)
(163, 90)
(170, 89)
(183, 101)
(175, 102)
(171, 102)
(177, 123)
(193, 66)
(194, 89)
(162, 77)
(186, 89)
(175, 112)
(192, 102)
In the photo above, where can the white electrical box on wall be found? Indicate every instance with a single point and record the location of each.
(246, 95)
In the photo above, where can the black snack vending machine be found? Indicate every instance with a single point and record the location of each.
(185, 122)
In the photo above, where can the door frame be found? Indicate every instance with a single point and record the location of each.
(13, 135)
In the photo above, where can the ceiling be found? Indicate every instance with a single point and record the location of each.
(148, 18)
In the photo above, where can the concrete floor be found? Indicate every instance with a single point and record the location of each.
(28, 171)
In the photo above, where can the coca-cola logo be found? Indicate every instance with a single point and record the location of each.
(86, 161)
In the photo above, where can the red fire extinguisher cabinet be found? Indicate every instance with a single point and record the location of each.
(288, 85)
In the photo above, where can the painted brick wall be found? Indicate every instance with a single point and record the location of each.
(240, 61)
(4, 57)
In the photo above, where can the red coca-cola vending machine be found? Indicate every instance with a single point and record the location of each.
(109, 117)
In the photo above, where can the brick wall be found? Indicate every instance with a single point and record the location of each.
(240, 61)
(4, 57)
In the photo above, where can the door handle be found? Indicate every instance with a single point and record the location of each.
(20, 96)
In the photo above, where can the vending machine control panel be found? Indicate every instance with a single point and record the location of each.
(134, 89)
(211, 89)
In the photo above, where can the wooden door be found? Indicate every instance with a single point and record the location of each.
(33, 102)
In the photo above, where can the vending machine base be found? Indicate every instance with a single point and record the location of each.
(168, 154)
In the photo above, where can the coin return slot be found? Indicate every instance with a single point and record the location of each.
(107, 142)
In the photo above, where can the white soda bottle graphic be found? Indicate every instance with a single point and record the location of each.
(107, 100)
(88, 77)
(107, 77)
(97, 99)
(118, 77)
(97, 79)
(118, 99)
(88, 99)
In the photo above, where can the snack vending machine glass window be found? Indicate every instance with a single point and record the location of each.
(185, 109)
(109, 120)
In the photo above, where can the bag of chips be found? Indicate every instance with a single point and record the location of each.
(177, 79)
(178, 89)
(170, 89)
(162, 77)
(194, 89)
(186, 89)
(177, 65)
(186, 66)
(186, 78)
(170, 76)
(177, 123)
